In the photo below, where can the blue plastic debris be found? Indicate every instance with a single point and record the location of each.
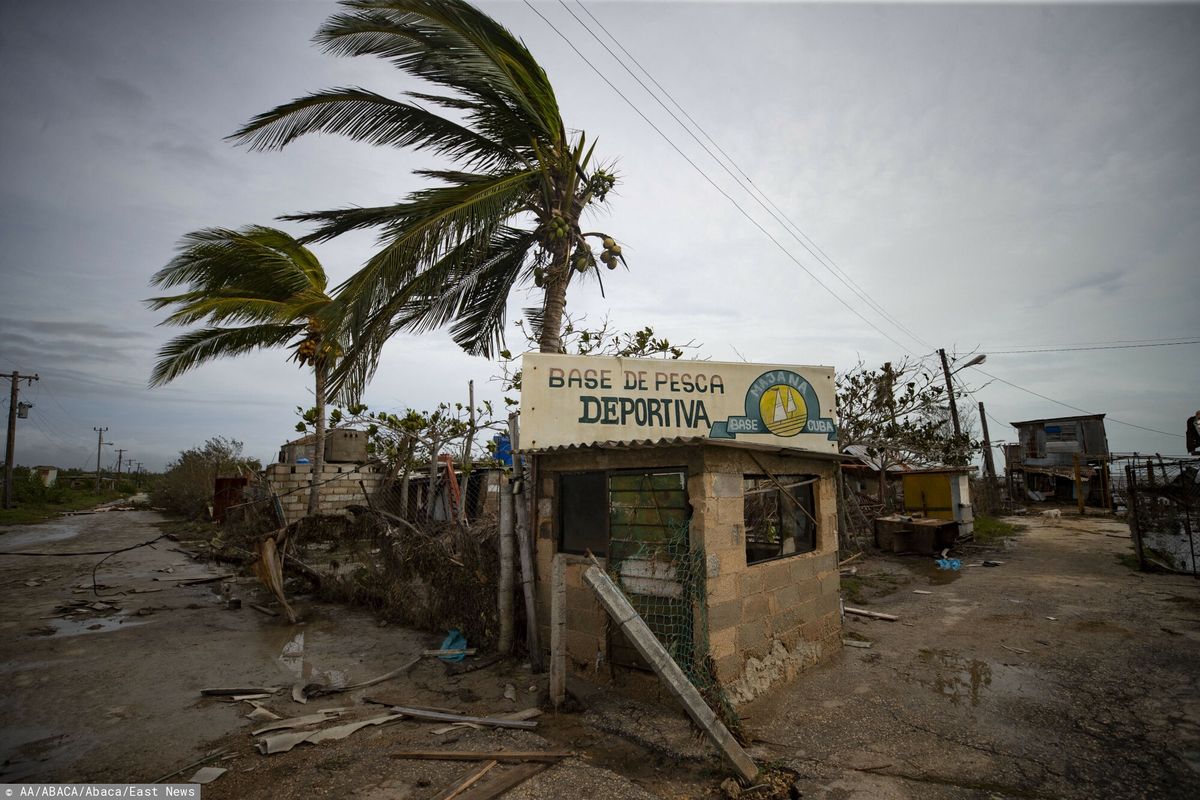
(949, 563)
(454, 641)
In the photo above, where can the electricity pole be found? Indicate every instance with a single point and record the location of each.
(10, 445)
(120, 452)
(99, 447)
(950, 392)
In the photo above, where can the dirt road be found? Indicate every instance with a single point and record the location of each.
(1060, 673)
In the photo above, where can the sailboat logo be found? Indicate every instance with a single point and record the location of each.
(783, 410)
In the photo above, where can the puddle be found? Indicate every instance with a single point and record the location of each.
(21, 537)
(938, 577)
(78, 627)
(958, 678)
(293, 659)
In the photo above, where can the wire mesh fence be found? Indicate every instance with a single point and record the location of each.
(664, 578)
(1163, 498)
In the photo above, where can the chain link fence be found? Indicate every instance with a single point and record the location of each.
(1163, 498)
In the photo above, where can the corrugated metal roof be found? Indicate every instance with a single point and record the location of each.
(683, 441)
(1057, 419)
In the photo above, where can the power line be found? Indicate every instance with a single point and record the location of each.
(1162, 339)
(1077, 408)
(749, 186)
(1096, 347)
(714, 184)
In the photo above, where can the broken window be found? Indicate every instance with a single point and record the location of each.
(780, 516)
(583, 513)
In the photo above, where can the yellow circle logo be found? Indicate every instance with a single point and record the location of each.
(783, 410)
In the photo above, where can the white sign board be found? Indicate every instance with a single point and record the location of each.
(569, 400)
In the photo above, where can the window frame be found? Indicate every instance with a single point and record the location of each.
(608, 473)
(807, 481)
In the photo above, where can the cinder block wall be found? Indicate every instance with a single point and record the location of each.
(767, 621)
(291, 482)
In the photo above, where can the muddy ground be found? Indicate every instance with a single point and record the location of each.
(975, 692)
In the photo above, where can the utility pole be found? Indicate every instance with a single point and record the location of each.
(950, 392)
(10, 445)
(120, 452)
(137, 481)
(988, 464)
(99, 447)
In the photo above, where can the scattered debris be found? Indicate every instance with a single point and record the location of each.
(213, 756)
(510, 692)
(921, 591)
(443, 654)
(270, 612)
(855, 643)
(467, 782)
(207, 774)
(528, 713)
(282, 742)
(311, 690)
(261, 713)
(861, 612)
(269, 569)
(479, 755)
(454, 646)
(1015, 649)
(253, 690)
(498, 721)
(949, 563)
(992, 563)
(299, 722)
(1052, 619)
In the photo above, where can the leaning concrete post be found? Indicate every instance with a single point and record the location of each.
(507, 555)
(636, 630)
(558, 631)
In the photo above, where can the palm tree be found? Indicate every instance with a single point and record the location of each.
(257, 288)
(509, 214)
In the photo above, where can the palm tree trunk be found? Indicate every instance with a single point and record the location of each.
(556, 302)
(314, 494)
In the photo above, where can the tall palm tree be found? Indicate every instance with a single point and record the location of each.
(509, 214)
(256, 288)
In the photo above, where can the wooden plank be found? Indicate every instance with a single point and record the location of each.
(467, 782)
(500, 782)
(635, 629)
(862, 612)
(483, 755)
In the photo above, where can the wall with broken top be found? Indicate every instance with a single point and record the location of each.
(339, 490)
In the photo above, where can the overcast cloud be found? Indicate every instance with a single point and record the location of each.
(995, 177)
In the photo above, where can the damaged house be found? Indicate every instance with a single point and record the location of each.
(707, 491)
(1047, 453)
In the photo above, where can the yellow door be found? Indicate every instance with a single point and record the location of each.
(928, 494)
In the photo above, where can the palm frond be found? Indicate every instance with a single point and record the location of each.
(368, 117)
(189, 350)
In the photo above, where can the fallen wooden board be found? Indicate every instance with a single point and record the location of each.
(921, 591)
(636, 631)
(500, 781)
(1020, 650)
(467, 782)
(855, 643)
(862, 612)
(470, 651)
(480, 755)
(438, 716)
(270, 612)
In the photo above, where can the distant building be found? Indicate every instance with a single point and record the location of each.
(342, 446)
(47, 475)
(1044, 459)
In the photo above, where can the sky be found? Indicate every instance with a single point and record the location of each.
(994, 178)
